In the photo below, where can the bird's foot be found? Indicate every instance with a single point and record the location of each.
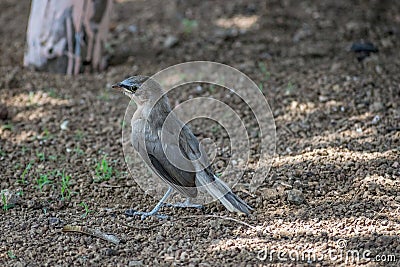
(186, 204)
(143, 215)
(153, 212)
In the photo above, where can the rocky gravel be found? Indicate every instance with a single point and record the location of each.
(331, 198)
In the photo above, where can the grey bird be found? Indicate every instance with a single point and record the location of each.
(170, 149)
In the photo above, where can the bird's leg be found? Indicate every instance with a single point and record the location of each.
(155, 209)
(186, 204)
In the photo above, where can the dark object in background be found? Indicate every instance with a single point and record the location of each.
(68, 36)
(3, 112)
(363, 50)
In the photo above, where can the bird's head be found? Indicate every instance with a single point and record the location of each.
(130, 86)
(133, 88)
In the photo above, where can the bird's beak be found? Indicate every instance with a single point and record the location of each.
(122, 87)
(117, 86)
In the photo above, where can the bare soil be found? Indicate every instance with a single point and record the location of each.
(335, 180)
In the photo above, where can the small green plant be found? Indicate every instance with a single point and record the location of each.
(212, 88)
(24, 173)
(263, 69)
(43, 180)
(65, 191)
(4, 201)
(24, 149)
(17, 166)
(8, 126)
(86, 207)
(261, 87)
(103, 171)
(189, 25)
(52, 157)
(123, 124)
(11, 255)
(41, 156)
(78, 150)
(45, 135)
(215, 128)
(78, 135)
(51, 92)
(290, 87)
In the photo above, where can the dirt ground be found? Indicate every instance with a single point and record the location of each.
(337, 123)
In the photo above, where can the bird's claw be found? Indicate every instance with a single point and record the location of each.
(143, 215)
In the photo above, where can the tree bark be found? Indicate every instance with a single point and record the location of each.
(67, 36)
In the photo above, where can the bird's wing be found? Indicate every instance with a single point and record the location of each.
(186, 145)
(191, 147)
(152, 153)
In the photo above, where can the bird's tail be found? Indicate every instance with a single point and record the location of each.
(221, 191)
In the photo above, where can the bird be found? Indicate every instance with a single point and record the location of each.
(182, 164)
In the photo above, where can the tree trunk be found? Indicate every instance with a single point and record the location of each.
(67, 36)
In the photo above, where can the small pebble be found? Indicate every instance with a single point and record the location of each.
(295, 196)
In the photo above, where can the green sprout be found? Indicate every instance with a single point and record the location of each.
(51, 92)
(78, 135)
(45, 135)
(52, 157)
(17, 166)
(103, 171)
(290, 87)
(263, 69)
(189, 25)
(43, 180)
(41, 156)
(86, 207)
(11, 255)
(24, 149)
(78, 150)
(4, 201)
(215, 128)
(8, 126)
(65, 191)
(123, 124)
(261, 87)
(24, 173)
(212, 88)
